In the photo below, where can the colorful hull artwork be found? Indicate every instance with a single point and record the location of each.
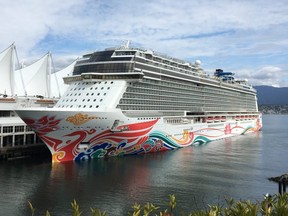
(129, 139)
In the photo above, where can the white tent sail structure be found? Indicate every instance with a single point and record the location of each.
(25, 86)
(7, 67)
(36, 77)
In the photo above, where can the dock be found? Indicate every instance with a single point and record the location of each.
(31, 150)
(17, 139)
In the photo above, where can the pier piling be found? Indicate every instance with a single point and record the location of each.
(282, 182)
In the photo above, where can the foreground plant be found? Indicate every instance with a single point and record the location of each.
(276, 205)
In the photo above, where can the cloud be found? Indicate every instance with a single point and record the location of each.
(268, 75)
(222, 33)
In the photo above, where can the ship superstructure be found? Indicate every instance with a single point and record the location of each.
(131, 101)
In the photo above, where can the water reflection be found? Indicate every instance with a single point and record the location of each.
(234, 167)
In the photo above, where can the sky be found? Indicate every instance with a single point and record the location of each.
(247, 37)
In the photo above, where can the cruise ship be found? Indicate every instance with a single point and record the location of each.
(130, 101)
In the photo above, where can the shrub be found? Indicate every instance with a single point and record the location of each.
(276, 205)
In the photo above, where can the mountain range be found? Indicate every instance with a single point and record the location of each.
(269, 95)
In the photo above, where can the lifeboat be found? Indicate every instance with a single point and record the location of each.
(209, 119)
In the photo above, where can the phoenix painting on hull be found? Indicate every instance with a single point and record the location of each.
(125, 101)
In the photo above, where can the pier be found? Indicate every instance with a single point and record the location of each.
(282, 182)
(17, 139)
(31, 150)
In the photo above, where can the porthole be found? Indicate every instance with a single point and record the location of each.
(94, 100)
(101, 100)
(92, 93)
(112, 82)
(90, 106)
(83, 100)
(108, 87)
(104, 93)
(88, 100)
(84, 106)
(97, 106)
(96, 88)
(102, 88)
(98, 94)
(87, 94)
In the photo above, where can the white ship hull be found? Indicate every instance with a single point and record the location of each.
(78, 135)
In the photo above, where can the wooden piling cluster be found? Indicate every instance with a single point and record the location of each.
(282, 182)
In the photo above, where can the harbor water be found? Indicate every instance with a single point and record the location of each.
(237, 167)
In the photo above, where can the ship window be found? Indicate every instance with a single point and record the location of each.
(94, 100)
(83, 100)
(75, 100)
(88, 100)
(104, 93)
(90, 106)
(79, 88)
(97, 106)
(96, 88)
(83, 88)
(87, 94)
(71, 106)
(105, 82)
(91, 88)
(98, 94)
(112, 82)
(79, 106)
(84, 106)
(101, 99)
(79, 94)
(92, 93)
(108, 87)
(102, 88)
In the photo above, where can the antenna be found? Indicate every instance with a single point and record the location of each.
(126, 44)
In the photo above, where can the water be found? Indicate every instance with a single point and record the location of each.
(198, 175)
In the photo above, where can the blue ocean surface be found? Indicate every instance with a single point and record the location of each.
(237, 167)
